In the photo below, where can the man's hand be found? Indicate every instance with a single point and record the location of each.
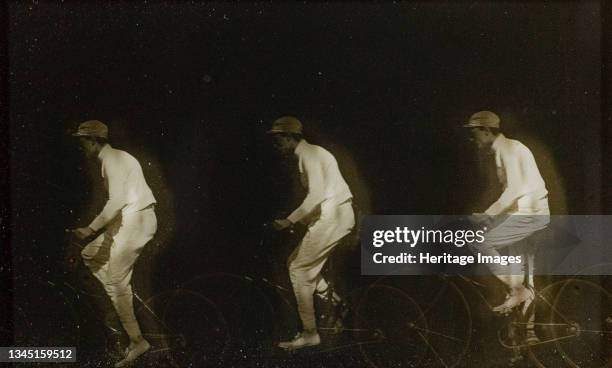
(281, 224)
(83, 233)
(481, 218)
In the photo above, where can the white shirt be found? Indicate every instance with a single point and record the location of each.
(128, 191)
(524, 188)
(320, 175)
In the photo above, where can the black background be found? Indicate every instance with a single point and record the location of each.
(190, 88)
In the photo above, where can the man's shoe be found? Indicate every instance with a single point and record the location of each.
(516, 298)
(133, 353)
(301, 340)
(113, 345)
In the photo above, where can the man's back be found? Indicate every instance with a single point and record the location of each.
(128, 191)
(315, 157)
(321, 176)
(525, 190)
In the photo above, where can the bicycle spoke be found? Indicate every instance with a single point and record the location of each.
(432, 349)
(538, 324)
(268, 282)
(552, 308)
(159, 350)
(346, 346)
(433, 302)
(556, 339)
(542, 342)
(152, 313)
(596, 331)
(437, 333)
(344, 329)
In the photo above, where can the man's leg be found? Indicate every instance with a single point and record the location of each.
(95, 257)
(511, 231)
(303, 272)
(511, 275)
(305, 266)
(136, 231)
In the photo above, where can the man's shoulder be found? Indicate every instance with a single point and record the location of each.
(121, 156)
(515, 146)
(317, 151)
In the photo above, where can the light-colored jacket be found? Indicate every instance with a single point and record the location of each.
(320, 175)
(128, 191)
(524, 188)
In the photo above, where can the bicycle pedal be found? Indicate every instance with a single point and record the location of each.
(516, 359)
(505, 312)
(339, 325)
(378, 335)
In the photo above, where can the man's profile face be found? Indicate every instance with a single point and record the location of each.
(88, 146)
(282, 142)
(480, 136)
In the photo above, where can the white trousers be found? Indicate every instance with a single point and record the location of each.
(509, 232)
(111, 258)
(307, 260)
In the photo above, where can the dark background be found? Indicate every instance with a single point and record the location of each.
(189, 89)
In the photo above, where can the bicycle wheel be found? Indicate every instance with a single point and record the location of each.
(449, 321)
(569, 322)
(186, 326)
(584, 305)
(393, 326)
(445, 311)
(249, 310)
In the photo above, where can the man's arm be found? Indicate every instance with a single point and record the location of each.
(117, 176)
(315, 172)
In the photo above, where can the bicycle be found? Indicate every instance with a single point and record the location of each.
(559, 330)
(365, 331)
(581, 338)
(182, 326)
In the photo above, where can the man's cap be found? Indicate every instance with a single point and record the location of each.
(485, 119)
(286, 124)
(92, 128)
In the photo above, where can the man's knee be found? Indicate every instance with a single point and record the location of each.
(117, 289)
(85, 256)
(92, 250)
(87, 259)
(293, 269)
(297, 273)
